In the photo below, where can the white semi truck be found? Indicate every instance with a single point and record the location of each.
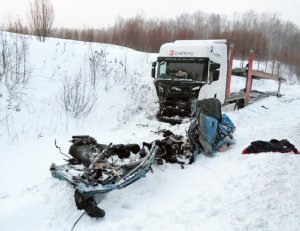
(186, 70)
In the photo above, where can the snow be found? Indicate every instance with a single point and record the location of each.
(230, 191)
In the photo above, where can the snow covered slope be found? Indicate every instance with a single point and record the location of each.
(228, 192)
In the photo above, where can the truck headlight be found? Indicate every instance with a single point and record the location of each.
(175, 89)
(195, 92)
(160, 89)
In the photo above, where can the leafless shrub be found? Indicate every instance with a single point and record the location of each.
(41, 18)
(106, 70)
(14, 68)
(14, 75)
(18, 72)
(6, 58)
(77, 96)
(103, 68)
(96, 64)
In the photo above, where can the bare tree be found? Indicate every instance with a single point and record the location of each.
(41, 18)
(17, 26)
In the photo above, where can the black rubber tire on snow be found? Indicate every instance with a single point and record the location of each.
(88, 204)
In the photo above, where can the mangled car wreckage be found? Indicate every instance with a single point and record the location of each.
(95, 169)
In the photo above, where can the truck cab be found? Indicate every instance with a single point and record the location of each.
(186, 70)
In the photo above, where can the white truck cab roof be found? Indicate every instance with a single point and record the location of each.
(193, 48)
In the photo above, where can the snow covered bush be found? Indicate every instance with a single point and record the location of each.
(77, 96)
(14, 68)
(18, 73)
(14, 76)
(101, 67)
(95, 64)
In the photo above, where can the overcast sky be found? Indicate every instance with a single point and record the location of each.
(99, 13)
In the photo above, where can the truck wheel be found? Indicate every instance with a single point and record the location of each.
(239, 104)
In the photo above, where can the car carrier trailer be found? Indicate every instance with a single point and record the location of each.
(186, 70)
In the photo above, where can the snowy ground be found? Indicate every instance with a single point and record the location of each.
(228, 192)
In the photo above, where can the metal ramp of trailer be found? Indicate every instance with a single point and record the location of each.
(248, 95)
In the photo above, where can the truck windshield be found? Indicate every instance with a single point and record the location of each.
(177, 69)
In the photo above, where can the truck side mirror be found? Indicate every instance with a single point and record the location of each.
(153, 70)
(216, 74)
(213, 76)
